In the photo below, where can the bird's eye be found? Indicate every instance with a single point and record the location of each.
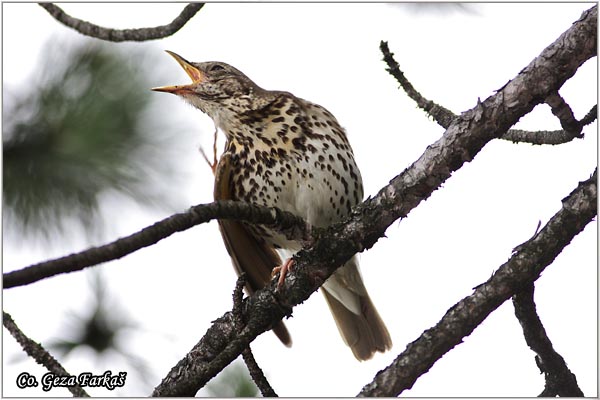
(216, 67)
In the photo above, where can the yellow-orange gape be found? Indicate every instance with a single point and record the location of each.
(284, 152)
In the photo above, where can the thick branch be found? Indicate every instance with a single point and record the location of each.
(463, 139)
(292, 226)
(519, 272)
(39, 354)
(559, 379)
(123, 35)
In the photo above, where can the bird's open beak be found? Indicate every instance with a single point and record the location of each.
(193, 72)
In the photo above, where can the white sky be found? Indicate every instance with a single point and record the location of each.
(328, 53)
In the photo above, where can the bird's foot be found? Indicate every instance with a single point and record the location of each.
(283, 270)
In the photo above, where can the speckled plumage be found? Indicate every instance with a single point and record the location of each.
(285, 156)
(289, 153)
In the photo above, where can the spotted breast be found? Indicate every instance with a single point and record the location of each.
(293, 155)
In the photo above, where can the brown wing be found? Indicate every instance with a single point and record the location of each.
(249, 254)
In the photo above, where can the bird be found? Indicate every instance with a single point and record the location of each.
(286, 152)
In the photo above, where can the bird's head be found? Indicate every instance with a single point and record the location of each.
(217, 88)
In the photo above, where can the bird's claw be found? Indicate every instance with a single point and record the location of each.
(283, 269)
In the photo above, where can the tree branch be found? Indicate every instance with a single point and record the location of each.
(444, 117)
(123, 35)
(590, 117)
(563, 112)
(292, 226)
(538, 137)
(39, 354)
(519, 272)
(255, 371)
(212, 164)
(572, 127)
(559, 379)
(440, 114)
(463, 139)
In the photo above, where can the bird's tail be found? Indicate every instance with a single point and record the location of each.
(355, 315)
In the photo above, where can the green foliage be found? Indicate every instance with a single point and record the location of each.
(99, 327)
(233, 381)
(103, 327)
(76, 131)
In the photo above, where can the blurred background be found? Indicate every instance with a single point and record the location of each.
(90, 154)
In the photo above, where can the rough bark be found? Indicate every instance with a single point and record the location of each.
(518, 273)
(39, 354)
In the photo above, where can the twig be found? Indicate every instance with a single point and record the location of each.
(521, 270)
(538, 137)
(284, 222)
(444, 117)
(553, 137)
(559, 379)
(123, 35)
(238, 295)
(440, 114)
(590, 117)
(212, 164)
(213, 167)
(256, 372)
(39, 354)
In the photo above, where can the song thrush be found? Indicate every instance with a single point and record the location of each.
(289, 153)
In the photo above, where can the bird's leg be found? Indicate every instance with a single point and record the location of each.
(283, 270)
